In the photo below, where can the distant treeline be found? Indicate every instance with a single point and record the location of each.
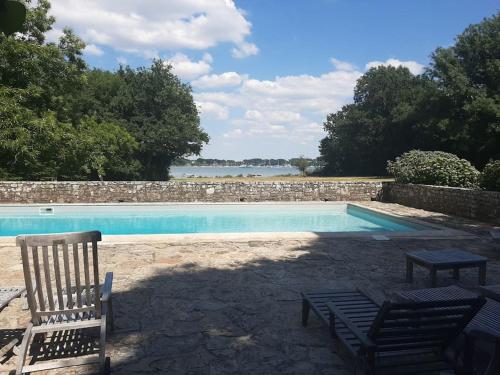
(256, 162)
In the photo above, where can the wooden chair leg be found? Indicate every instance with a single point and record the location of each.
(111, 315)
(305, 311)
(482, 274)
(102, 344)
(494, 365)
(433, 277)
(23, 349)
(409, 271)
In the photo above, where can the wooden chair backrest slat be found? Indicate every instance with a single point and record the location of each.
(48, 282)
(76, 261)
(54, 277)
(440, 322)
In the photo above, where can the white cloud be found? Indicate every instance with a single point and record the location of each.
(244, 50)
(121, 60)
(235, 133)
(149, 26)
(304, 93)
(92, 49)
(219, 80)
(413, 66)
(342, 65)
(287, 117)
(185, 68)
(281, 116)
(213, 110)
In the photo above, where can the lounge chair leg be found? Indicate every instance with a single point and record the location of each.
(409, 271)
(102, 344)
(433, 275)
(305, 312)
(332, 326)
(111, 315)
(23, 349)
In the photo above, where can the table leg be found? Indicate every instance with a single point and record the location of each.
(456, 273)
(433, 277)
(482, 274)
(409, 270)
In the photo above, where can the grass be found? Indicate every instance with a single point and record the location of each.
(284, 179)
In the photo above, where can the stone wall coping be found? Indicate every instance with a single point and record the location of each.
(441, 187)
(193, 182)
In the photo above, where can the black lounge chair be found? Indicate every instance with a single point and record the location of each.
(395, 338)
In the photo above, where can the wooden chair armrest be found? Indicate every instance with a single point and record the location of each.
(106, 288)
(365, 341)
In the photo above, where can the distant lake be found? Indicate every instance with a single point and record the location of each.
(183, 172)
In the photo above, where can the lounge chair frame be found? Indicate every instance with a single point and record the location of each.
(395, 338)
(67, 296)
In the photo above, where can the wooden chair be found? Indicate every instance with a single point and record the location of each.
(67, 298)
(395, 338)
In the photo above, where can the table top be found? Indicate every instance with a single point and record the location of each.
(451, 256)
(487, 319)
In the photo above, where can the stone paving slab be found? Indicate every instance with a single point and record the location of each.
(233, 307)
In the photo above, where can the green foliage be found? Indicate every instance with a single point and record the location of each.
(468, 77)
(453, 107)
(301, 163)
(379, 125)
(58, 120)
(490, 177)
(158, 109)
(433, 168)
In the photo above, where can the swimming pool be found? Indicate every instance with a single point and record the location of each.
(197, 218)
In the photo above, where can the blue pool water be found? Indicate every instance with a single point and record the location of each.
(196, 218)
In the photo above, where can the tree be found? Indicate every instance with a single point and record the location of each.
(468, 78)
(159, 111)
(453, 107)
(379, 125)
(58, 120)
(301, 163)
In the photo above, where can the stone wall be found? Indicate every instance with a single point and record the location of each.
(473, 204)
(108, 192)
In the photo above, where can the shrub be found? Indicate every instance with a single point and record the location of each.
(490, 178)
(433, 168)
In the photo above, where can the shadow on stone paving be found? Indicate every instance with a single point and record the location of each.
(223, 311)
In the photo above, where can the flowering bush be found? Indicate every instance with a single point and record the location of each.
(433, 168)
(490, 178)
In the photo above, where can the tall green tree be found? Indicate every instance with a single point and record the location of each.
(454, 107)
(41, 137)
(159, 111)
(468, 78)
(378, 126)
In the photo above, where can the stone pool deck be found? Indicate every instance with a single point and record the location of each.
(196, 306)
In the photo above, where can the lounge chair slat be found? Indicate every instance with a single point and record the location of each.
(86, 273)
(67, 276)
(38, 278)
(78, 285)
(48, 281)
(57, 275)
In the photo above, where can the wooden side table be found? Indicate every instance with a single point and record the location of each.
(445, 260)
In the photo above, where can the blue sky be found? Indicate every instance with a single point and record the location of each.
(266, 72)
